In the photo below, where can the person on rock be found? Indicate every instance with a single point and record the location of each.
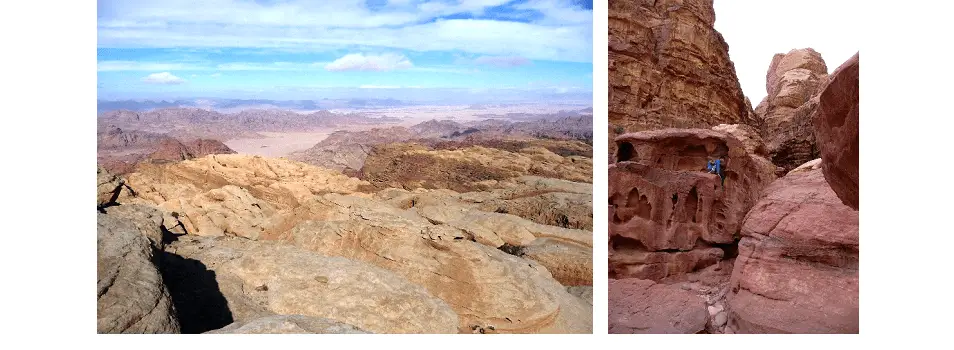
(715, 167)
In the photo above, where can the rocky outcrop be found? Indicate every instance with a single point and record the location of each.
(289, 324)
(797, 269)
(470, 169)
(836, 129)
(793, 82)
(130, 294)
(260, 279)
(669, 67)
(172, 150)
(645, 307)
(667, 215)
(120, 151)
(204, 147)
(108, 187)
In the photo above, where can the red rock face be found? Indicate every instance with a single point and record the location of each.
(669, 67)
(666, 212)
(644, 307)
(836, 129)
(797, 269)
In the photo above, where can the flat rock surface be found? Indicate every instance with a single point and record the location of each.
(289, 324)
(645, 307)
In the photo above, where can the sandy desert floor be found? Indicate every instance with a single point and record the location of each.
(278, 144)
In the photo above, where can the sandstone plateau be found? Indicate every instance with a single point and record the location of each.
(424, 244)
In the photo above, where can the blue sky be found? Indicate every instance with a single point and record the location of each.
(285, 49)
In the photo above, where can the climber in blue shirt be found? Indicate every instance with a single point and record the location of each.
(716, 168)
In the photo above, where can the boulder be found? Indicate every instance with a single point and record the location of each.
(645, 307)
(836, 128)
(130, 294)
(108, 187)
(797, 269)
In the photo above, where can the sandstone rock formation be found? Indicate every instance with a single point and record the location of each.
(499, 272)
(130, 294)
(836, 129)
(643, 306)
(797, 270)
(289, 324)
(246, 196)
(669, 67)
(793, 82)
(475, 168)
(260, 279)
(667, 215)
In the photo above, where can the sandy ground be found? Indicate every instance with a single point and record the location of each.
(277, 144)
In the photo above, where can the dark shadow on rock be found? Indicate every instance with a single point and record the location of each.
(195, 293)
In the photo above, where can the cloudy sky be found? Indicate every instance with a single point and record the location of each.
(758, 29)
(290, 49)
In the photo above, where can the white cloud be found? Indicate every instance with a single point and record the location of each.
(379, 87)
(162, 78)
(215, 75)
(377, 63)
(109, 66)
(563, 34)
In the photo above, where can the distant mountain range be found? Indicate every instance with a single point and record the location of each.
(226, 104)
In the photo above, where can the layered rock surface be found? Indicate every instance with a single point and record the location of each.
(793, 82)
(797, 270)
(669, 67)
(836, 128)
(259, 279)
(667, 215)
(494, 270)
